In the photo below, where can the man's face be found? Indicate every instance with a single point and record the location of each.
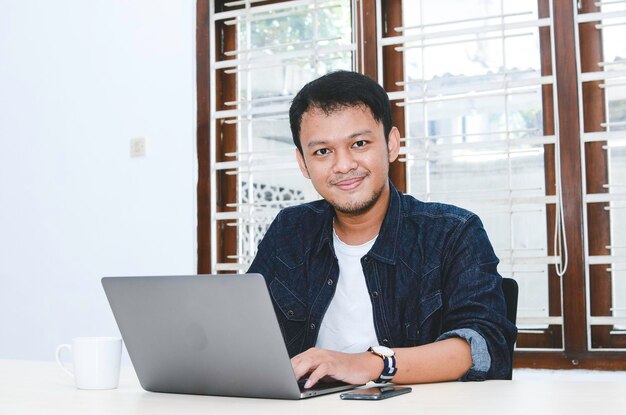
(346, 156)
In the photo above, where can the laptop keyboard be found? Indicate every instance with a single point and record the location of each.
(320, 385)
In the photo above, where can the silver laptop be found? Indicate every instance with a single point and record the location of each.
(206, 335)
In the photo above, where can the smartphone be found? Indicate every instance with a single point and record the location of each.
(376, 393)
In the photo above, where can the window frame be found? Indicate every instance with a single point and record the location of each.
(575, 353)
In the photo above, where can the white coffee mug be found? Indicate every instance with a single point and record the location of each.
(96, 361)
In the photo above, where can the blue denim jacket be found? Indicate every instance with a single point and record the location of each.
(431, 275)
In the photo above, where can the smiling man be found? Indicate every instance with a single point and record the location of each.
(369, 283)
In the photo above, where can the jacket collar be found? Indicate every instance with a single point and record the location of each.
(384, 248)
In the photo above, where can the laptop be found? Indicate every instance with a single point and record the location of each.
(206, 335)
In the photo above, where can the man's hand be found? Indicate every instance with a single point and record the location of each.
(354, 368)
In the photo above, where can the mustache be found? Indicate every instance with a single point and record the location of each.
(340, 179)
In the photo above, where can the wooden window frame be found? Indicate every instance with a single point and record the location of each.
(575, 353)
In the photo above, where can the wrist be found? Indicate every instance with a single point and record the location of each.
(388, 358)
(373, 365)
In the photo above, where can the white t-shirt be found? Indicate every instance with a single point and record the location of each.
(348, 325)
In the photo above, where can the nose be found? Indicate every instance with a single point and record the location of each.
(344, 162)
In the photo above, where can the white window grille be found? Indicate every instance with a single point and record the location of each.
(472, 95)
(280, 47)
(611, 72)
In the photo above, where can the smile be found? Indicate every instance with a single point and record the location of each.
(349, 184)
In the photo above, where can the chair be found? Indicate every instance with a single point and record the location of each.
(511, 290)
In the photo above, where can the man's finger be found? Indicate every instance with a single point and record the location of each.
(304, 366)
(300, 370)
(304, 362)
(316, 375)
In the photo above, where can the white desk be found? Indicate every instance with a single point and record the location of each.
(42, 388)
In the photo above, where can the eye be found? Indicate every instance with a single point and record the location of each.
(321, 152)
(359, 144)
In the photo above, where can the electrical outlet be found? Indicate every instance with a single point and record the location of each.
(138, 147)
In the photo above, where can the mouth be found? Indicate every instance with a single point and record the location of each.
(349, 183)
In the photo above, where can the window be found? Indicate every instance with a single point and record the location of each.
(602, 101)
(263, 53)
(475, 137)
(515, 109)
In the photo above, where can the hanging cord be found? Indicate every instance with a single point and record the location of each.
(560, 237)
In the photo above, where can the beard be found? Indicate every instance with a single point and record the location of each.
(356, 208)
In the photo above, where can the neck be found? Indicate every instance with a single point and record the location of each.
(358, 229)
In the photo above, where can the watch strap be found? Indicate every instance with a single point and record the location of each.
(389, 369)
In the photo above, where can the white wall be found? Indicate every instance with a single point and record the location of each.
(78, 80)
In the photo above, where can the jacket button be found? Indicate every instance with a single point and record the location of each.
(290, 313)
(366, 259)
(312, 326)
(385, 342)
(330, 281)
(375, 294)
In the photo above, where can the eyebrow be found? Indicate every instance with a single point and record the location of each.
(350, 137)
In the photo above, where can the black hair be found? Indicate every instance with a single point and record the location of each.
(336, 91)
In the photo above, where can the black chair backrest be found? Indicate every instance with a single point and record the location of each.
(511, 291)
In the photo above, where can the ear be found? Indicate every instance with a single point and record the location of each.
(393, 144)
(302, 164)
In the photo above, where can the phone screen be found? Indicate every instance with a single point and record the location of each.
(376, 393)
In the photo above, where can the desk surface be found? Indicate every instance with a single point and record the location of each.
(42, 388)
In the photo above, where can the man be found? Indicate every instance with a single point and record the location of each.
(369, 283)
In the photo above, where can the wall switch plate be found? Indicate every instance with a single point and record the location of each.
(138, 147)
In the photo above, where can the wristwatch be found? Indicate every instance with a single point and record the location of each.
(389, 360)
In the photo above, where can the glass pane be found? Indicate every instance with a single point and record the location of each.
(474, 122)
(617, 211)
(614, 150)
(278, 51)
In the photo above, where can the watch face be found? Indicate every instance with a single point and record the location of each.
(385, 351)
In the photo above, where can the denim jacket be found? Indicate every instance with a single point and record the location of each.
(431, 275)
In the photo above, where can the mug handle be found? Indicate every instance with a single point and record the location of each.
(60, 362)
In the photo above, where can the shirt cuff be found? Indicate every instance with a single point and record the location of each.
(481, 360)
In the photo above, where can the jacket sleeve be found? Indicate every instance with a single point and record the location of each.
(474, 306)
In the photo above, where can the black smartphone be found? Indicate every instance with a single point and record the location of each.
(376, 393)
